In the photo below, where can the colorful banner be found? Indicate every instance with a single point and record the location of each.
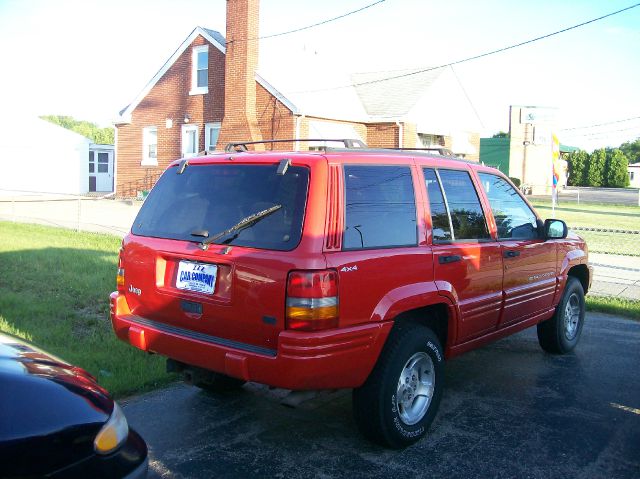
(555, 157)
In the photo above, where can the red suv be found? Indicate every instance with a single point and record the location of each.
(351, 268)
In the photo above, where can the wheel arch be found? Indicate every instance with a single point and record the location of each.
(581, 273)
(435, 316)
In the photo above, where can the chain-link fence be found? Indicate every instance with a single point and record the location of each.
(610, 241)
(102, 214)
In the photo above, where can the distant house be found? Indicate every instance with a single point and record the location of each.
(634, 175)
(62, 161)
(208, 93)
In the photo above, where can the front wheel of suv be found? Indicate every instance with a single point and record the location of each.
(561, 333)
(399, 400)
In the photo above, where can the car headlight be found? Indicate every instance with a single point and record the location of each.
(113, 433)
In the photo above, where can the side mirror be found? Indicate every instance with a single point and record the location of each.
(555, 229)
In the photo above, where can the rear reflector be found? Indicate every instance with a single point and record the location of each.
(120, 275)
(312, 300)
(120, 280)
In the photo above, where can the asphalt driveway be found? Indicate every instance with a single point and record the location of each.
(509, 410)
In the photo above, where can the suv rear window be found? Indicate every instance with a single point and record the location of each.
(213, 198)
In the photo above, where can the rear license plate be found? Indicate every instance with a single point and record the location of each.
(198, 277)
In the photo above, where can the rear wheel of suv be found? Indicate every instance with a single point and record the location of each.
(561, 333)
(400, 398)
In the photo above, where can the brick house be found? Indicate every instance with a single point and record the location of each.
(209, 93)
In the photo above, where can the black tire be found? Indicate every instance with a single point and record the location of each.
(560, 333)
(378, 411)
(219, 383)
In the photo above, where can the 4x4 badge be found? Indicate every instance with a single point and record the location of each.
(346, 269)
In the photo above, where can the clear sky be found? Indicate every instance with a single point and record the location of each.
(89, 58)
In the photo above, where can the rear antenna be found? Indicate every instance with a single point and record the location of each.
(283, 166)
(182, 166)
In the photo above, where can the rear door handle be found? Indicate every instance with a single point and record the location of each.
(449, 259)
(511, 253)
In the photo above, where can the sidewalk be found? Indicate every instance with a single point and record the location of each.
(615, 275)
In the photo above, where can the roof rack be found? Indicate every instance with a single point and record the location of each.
(241, 146)
(439, 150)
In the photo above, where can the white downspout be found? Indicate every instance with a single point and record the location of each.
(297, 132)
(400, 134)
(115, 160)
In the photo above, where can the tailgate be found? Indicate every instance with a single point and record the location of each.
(230, 293)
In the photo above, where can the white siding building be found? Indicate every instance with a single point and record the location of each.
(38, 156)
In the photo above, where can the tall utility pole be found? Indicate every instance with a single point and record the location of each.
(525, 144)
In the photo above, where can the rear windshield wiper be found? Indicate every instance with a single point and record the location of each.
(240, 225)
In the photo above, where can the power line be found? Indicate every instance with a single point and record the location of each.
(323, 22)
(476, 57)
(467, 95)
(601, 124)
(602, 132)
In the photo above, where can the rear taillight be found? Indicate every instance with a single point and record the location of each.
(312, 300)
(120, 275)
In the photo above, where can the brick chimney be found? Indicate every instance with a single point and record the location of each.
(241, 60)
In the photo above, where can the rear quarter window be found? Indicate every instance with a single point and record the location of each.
(380, 207)
(214, 198)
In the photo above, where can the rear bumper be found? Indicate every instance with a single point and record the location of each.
(339, 358)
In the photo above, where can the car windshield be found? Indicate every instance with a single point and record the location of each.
(208, 199)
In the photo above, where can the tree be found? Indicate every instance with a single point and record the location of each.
(631, 150)
(501, 134)
(103, 136)
(617, 176)
(595, 168)
(578, 161)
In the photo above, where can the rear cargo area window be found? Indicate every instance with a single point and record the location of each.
(380, 207)
(210, 199)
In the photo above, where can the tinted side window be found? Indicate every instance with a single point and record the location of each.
(467, 217)
(514, 218)
(380, 207)
(439, 216)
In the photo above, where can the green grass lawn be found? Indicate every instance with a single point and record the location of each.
(592, 215)
(601, 216)
(54, 292)
(611, 305)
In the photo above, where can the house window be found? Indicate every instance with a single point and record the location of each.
(150, 146)
(92, 162)
(103, 162)
(190, 140)
(430, 141)
(631, 176)
(211, 131)
(200, 70)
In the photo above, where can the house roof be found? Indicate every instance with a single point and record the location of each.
(218, 41)
(392, 93)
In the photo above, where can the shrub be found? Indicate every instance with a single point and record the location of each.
(616, 171)
(595, 168)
